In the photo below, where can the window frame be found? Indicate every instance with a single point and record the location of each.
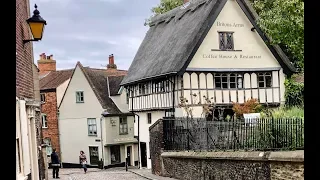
(78, 100)
(225, 40)
(92, 125)
(123, 127)
(149, 119)
(43, 98)
(47, 141)
(127, 96)
(219, 79)
(264, 81)
(46, 121)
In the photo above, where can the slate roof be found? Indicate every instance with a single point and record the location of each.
(174, 37)
(98, 80)
(114, 84)
(54, 78)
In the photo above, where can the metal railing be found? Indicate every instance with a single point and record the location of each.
(182, 134)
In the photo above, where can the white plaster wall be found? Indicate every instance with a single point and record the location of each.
(112, 131)
(60, 91)
(249, 42)
(121, 101)
(73, 120)
(156, 100)
(144, 129)
(24, 138)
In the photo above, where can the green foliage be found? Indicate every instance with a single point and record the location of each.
(164, 6)
(283, 22)
(283, 112)
(294, 93)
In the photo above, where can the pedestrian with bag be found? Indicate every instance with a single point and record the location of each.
(83, 161)
(55, 163)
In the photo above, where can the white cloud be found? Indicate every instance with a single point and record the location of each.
(89, 30)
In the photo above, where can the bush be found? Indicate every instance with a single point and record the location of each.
(283, 128)
(283, 112)
(294, 93)
(250, 106)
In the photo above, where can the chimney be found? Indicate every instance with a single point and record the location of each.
(46, 64)
(185, 1)
(111, 64)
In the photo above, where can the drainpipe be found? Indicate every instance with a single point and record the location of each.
(58, 118)
(102, 142)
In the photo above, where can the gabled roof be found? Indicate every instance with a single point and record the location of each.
(54, 79)
(98, 80)
(174, 37)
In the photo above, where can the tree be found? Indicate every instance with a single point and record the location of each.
(163, 7)
(283, 22)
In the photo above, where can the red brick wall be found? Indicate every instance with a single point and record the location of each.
(46, 67)
(50, 109)
(24, 57)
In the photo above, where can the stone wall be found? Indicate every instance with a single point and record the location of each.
(233, 165)
(223, 165)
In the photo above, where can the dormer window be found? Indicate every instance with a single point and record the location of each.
(226, 41)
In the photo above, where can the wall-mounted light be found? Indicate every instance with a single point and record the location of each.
(36, 24)
(253, 28)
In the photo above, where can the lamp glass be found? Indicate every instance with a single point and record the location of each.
(37, 29)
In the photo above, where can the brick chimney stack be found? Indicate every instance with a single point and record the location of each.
(111, 64)
(46, 64)
(185, 1)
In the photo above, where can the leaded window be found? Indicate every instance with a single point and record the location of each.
(228, 81)
(226, 41)
(264, 80)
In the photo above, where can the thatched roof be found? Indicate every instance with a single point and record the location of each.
(175, 36)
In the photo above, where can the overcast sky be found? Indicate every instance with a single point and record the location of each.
(89, 30)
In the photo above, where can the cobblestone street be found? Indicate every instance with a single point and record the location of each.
(96, 174)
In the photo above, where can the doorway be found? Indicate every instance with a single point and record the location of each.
(129, 155)
(143, 147)
(94, 155)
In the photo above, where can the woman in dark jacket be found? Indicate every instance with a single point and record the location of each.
(55, 163)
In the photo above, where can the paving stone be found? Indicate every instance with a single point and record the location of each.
(96, 174)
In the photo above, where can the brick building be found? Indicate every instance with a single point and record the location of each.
(53, 83)
(28, 140)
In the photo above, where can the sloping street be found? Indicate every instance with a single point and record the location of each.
(96, 174)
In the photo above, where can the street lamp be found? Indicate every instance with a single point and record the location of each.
(36, 24)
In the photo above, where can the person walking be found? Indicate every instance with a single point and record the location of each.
(55, 163)
(83, 161)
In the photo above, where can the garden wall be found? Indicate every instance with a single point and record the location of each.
(226, 165)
